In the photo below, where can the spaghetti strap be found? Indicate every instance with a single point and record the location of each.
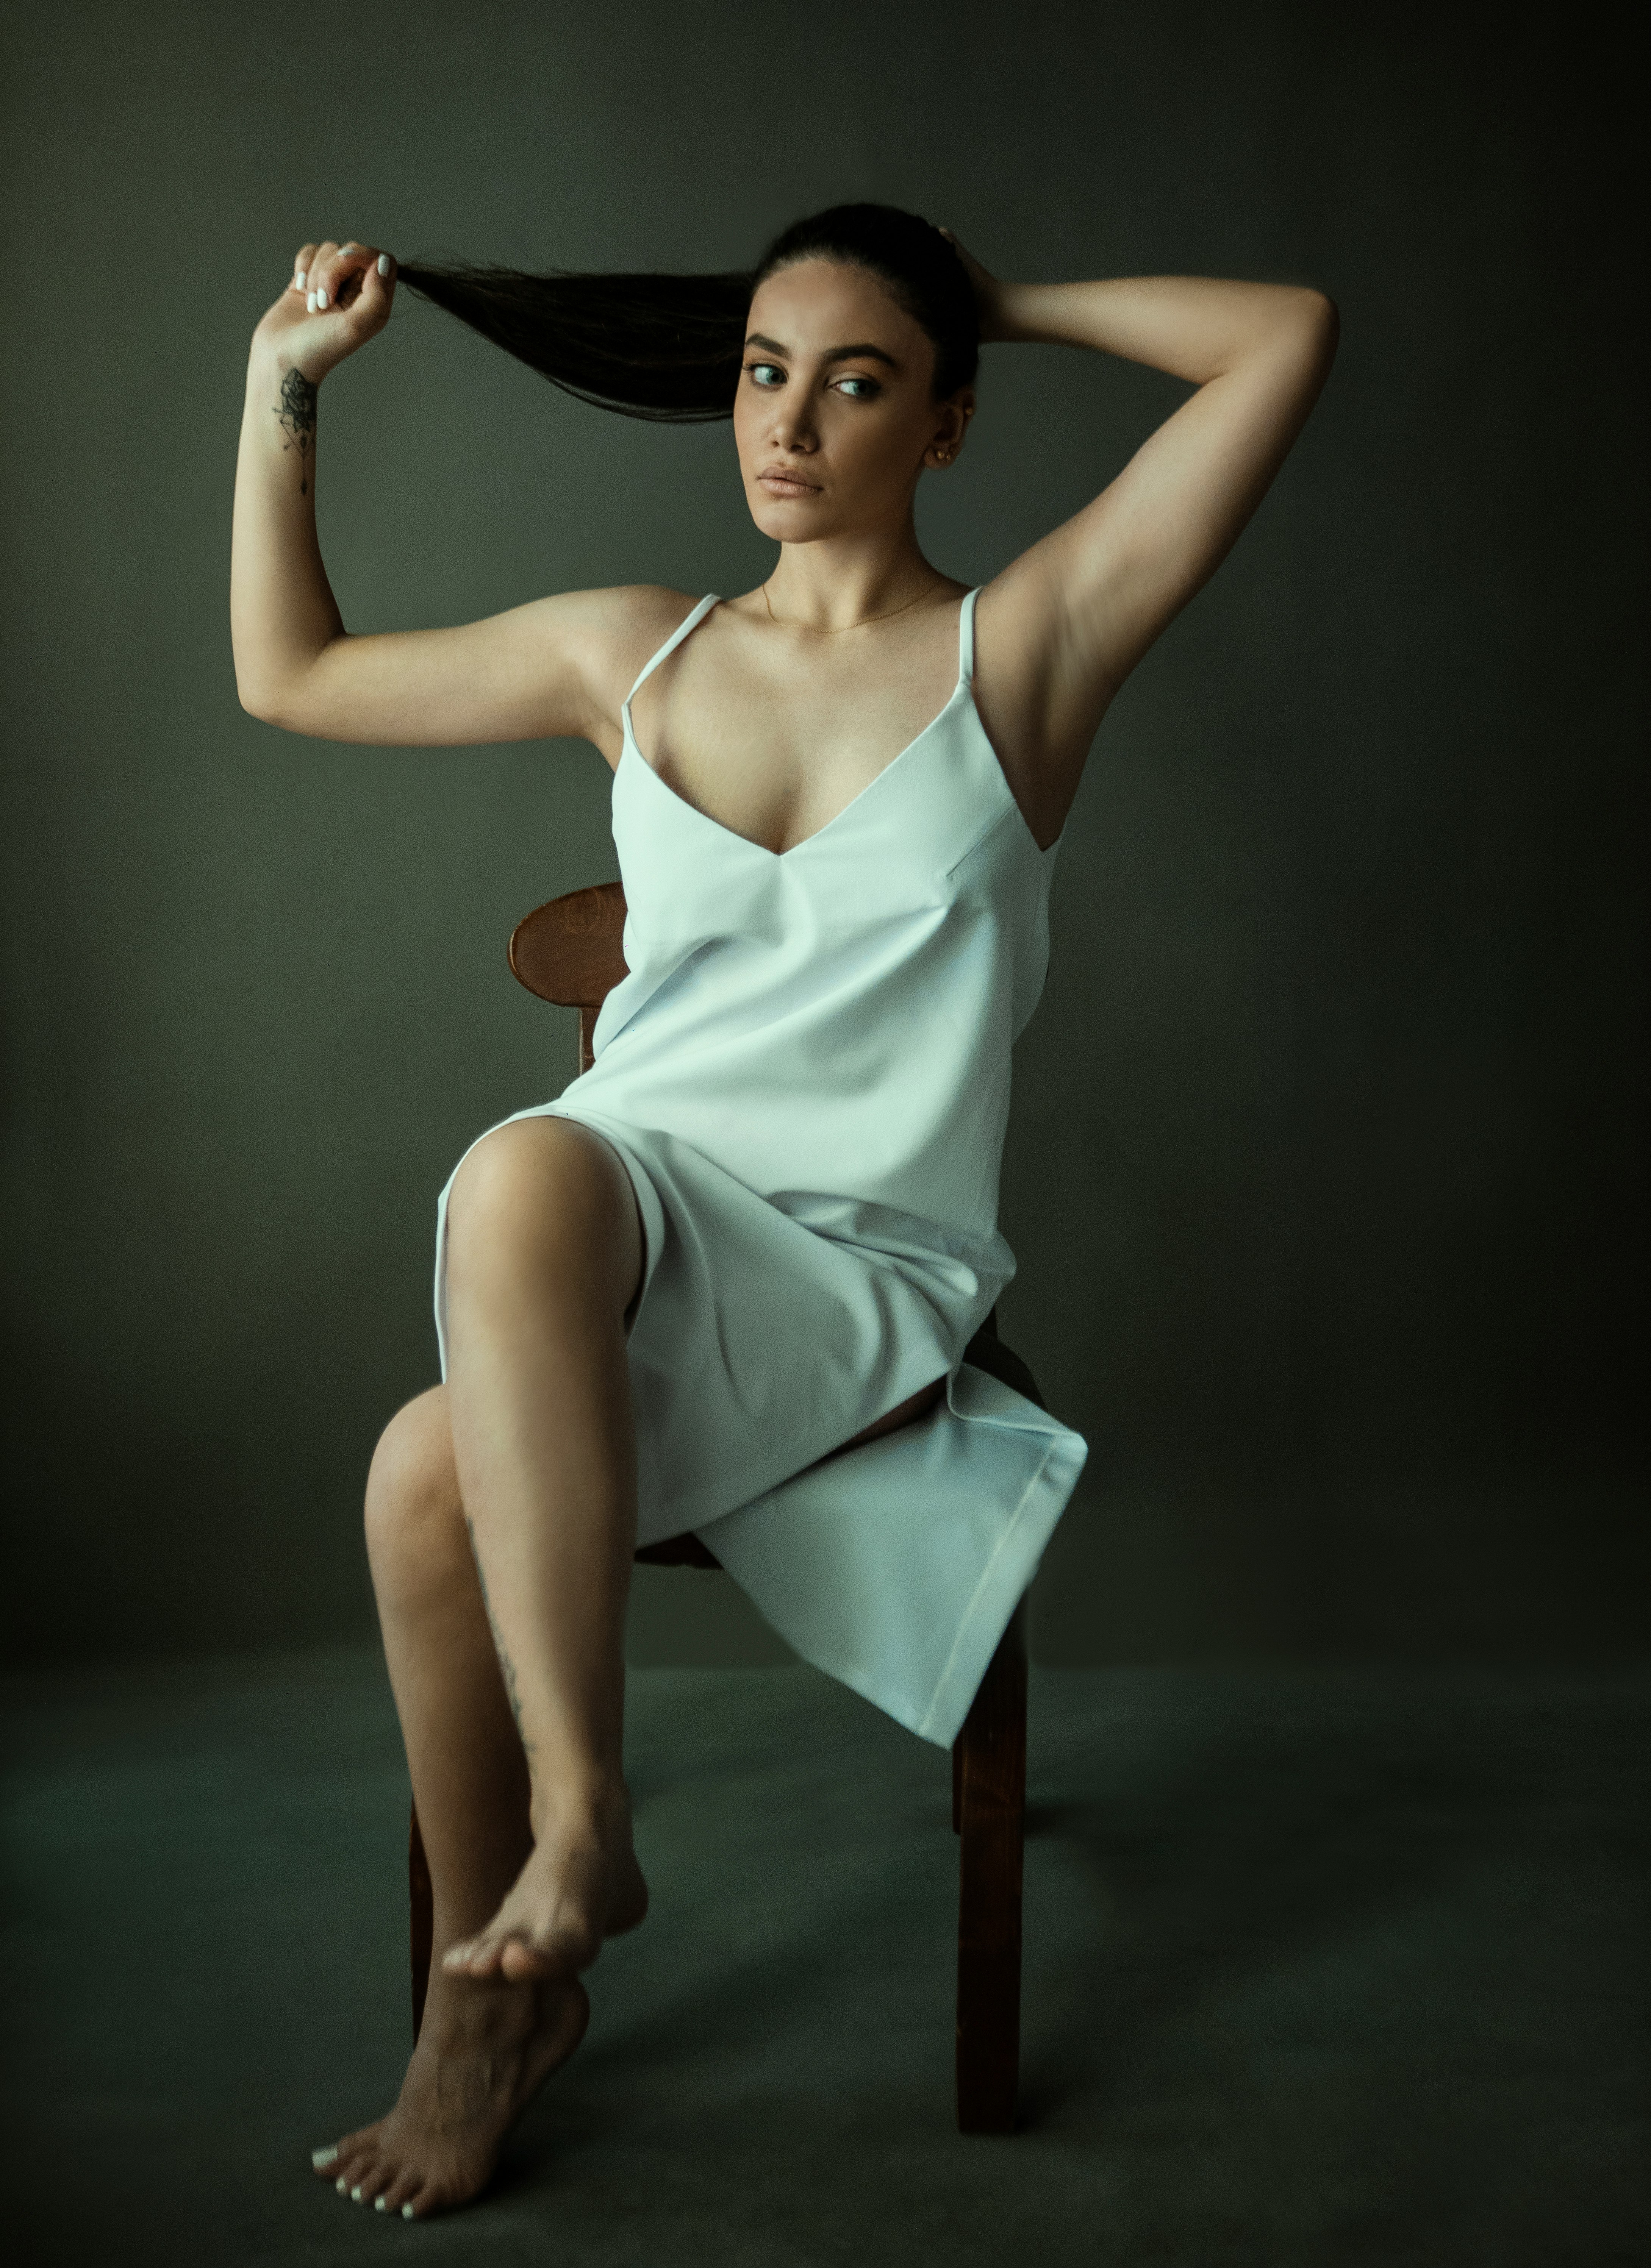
(690, 622)
(965, 639)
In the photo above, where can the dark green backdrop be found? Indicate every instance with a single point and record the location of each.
(1324, 1172)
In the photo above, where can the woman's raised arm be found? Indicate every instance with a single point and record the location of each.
(540, 670)
(1064, 625)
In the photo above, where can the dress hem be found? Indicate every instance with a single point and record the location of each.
(904, 1640)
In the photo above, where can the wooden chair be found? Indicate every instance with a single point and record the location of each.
(570, 952)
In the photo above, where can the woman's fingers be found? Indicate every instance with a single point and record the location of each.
(341, 272)
(350, 289)
(362, 284)
(332, 275)
(339, 275)
(337, 297)
(372, 309)
(319, 296)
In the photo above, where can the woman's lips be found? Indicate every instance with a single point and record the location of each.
(779, 482)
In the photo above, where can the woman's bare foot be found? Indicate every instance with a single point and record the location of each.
(581, 1884)
(484, 2050)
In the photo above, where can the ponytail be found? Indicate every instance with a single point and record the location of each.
(662, 347)
(669, 348)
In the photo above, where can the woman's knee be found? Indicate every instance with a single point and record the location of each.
(414, 1514)
(541, 1191)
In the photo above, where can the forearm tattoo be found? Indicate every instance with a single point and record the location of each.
(297, 414)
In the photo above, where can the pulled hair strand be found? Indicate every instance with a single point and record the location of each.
(669, 348)
(665, 348)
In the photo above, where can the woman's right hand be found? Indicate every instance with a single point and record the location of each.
(340, 297)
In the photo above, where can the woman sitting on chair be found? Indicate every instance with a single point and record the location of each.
(762, 1228)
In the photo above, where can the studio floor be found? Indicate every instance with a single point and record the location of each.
(1344, 1967)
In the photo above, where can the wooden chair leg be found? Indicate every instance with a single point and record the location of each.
(989, 1780)
(423, 1916)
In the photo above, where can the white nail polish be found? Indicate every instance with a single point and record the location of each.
(301, 278)
(341, 2186)
(327, 2157)
(378, 2205)
(310, 303)
(355, 2194)
(320, 297)
(408, 2213)
(384, 264)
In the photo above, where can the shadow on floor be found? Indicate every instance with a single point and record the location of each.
(1322, 1967)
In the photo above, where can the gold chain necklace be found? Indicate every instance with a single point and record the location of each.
(864, 621)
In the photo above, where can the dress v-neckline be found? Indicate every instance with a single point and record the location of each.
(634, 747)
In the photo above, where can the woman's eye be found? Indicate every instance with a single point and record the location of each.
(859, 389)
(765, 373)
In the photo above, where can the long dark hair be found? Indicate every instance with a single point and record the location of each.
(669, 347)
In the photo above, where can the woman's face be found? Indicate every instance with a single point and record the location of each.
(835, 417)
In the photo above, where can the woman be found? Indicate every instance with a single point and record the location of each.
(763, 1229)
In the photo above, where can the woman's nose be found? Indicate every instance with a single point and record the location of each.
(791, 429)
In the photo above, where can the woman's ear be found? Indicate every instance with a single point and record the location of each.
(951, 429)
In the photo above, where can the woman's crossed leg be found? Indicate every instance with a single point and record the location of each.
(501, 1519)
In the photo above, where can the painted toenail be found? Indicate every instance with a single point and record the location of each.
(355, 2194)
(378, 2205)
(341, 2186)
(408, 2213)
(327, 2157)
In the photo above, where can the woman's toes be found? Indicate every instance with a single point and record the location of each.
(402, 2191)
(483, 1956)
(524, 1963)
(351, 2167)
(366, 2179)
(325, 2160)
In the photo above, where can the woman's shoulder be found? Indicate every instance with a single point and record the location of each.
(614, 632)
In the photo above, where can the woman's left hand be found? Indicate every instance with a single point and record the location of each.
(989, 294)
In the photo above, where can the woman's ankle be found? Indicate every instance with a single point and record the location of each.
(591, 1805)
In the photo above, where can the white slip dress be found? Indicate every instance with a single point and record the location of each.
(806, 1074)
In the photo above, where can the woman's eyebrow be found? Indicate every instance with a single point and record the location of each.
(832, 354)
(872, 354)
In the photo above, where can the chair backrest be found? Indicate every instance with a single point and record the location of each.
(572, 951)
